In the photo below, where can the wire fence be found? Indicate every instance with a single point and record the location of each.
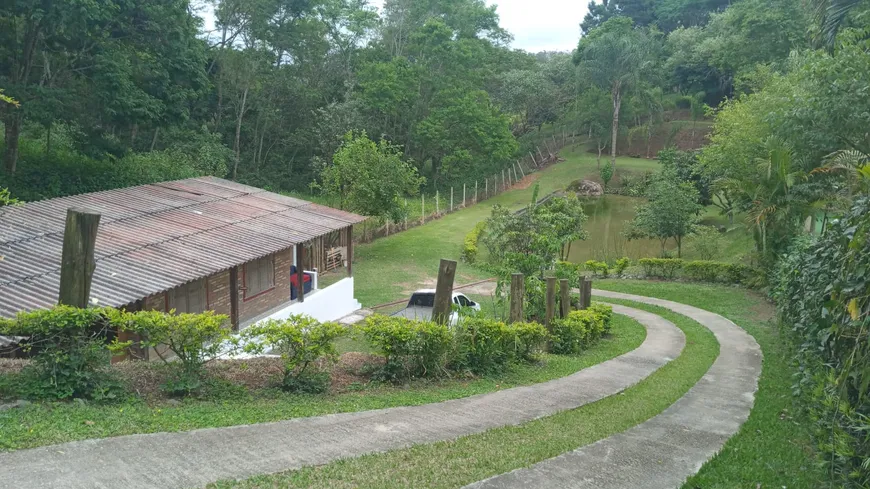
(426, 208)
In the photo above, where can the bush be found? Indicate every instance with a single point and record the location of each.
(193, 339)
(469, 247)
(69, 352)
(580, 329)
(661, 267)
(528, 339)
(411, 348)
(301, 341)
(482, 345)
(821, 290)
(621, 265)
(569, 271)
(706, 242)
(707, 271)
(598, 268)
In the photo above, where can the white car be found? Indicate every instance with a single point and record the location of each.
(421, 303)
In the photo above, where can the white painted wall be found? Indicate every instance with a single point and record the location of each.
(329, 304)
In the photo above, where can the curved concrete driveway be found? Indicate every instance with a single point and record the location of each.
(195, 458)
(664, 451)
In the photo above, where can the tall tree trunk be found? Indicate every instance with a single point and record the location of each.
(617, 103)
(154, 139)
(12, 133)
(236, 146)
(600, 149)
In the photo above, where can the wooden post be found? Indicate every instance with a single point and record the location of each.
(451, 198)
(551, 303)
(437, 203)
(348, 232)
(300, 274)
(234, 298)
(77, 259)
(503, 187)
(518, 294)
(533, 159)
(585, 292)
(443, 306)
(463, 195)
(564, 297)
(475, 191)
(520, 166)
(541, 155)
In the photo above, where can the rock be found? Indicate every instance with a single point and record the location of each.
(587, 188)
(17, 404)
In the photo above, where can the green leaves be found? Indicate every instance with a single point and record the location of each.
(370, 178)
(672, 212)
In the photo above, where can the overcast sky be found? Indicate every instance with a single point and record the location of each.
(538, 25)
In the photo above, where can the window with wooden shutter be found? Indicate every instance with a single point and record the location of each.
(189, 298)
(259, 276)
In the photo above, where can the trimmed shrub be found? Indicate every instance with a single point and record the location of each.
(621, 265)
(706, 271)
(580, 329)
(469, 247)
(598, 268)
(411, 348)
(193, 340)
(529, 340)
(661, 267)
(69, 352)
(301, 341)
(482, 345)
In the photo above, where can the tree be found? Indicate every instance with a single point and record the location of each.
(606, 173)
(672, 212)
(616, 56)
(830, 15)
(370, 178)
(596, 115)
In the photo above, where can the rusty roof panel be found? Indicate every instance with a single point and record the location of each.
(153, 238)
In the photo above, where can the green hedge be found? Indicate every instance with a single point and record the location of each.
(661, 267)
(487, 346)
(411, 348)
(822, 292)
(580, 329)
(469, 246)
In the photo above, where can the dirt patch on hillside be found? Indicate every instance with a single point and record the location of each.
(526, 182)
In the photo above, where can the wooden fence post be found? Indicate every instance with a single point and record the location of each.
(521, 169)
(585, 292)
(551, 303)
(503, 187)
(518, 294)
(77, 259)
(475, 191)
(437, 203)
(443, 305)
(541, 155)
(564, 297)
(533, 159)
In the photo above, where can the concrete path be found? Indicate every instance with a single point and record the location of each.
(192, 459)
(664, 451)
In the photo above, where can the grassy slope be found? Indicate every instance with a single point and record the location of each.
(387, 268)
(456, 463)
(773, 449)
(43, 424)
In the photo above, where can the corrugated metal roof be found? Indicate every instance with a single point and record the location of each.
(153, 238)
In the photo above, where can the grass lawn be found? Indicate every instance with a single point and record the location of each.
(465, 460)
(773, 449)
(392, 267)
(49, 423)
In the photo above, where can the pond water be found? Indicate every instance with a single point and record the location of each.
(608, 217)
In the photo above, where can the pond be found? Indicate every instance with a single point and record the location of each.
(608, 217)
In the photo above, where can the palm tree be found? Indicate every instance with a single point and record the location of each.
(771, 205)
(830, 14)
(616, 57)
